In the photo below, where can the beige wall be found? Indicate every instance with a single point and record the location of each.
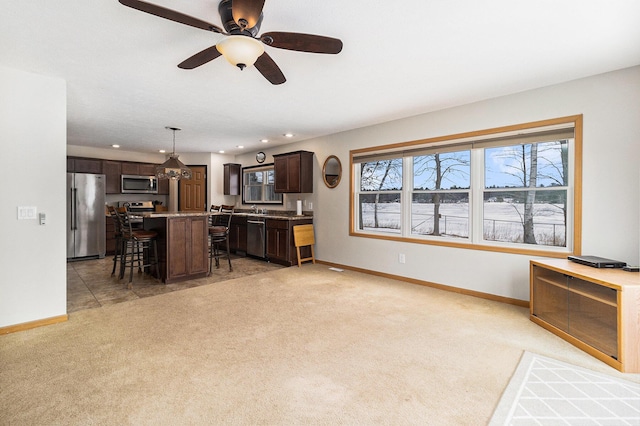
(611, 188)
(33, 284)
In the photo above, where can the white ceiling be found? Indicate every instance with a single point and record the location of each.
(400, 58)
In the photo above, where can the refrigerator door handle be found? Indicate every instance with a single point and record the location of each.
(74, 209)
(71, 213)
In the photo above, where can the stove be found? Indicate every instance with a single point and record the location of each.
(140, 206)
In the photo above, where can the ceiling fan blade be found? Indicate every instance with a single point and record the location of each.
(302, 42)
(247, 13)
(269, 69)
(200, 58)
(171, 15)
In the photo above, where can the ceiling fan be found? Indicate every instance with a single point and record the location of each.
(242, 47)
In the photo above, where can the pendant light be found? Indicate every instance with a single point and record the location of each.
(173, 168)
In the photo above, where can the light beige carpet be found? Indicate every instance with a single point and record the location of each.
(293, 346)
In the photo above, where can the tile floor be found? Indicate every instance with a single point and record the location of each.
(90, 284)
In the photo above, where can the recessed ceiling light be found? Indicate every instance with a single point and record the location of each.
(288, 135)
(240, 146)
(221, 151)
(264, 140)
(115, 146)
(162, 150)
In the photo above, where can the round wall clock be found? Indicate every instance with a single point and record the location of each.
(260, 157)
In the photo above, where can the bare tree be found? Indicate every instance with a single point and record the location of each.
(556, 173)
(531, 164)
(440, 168)
(375, 176)
(530, 198)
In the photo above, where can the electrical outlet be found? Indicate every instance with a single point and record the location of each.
(310, 205)
(401, 258)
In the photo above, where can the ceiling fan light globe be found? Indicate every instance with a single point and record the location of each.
(240, 51)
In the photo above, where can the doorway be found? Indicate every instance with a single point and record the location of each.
(193, 192)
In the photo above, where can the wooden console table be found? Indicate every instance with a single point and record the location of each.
(596, 310)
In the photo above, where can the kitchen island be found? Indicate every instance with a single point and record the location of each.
(183, 248)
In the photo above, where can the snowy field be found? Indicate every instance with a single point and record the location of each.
(502, 221)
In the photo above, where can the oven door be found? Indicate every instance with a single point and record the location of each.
(132, 184)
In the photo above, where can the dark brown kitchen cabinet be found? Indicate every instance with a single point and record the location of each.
(281, 248)
(293, 172)
(183, 248)
(232, 174)
(137, 169)
(146, 169)
(112, 172)
(187, 247)
(238, 234)
(84, 165)
(130, 168)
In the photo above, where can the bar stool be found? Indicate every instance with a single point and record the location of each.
(118, 236)
(218, 235)
(135, 243)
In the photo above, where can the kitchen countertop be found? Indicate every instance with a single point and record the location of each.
(274, 215)
(172, 214)
(271, 215)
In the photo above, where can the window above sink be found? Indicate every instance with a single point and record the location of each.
(258, 185)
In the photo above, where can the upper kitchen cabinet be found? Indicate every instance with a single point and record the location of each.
(232, 174)
(112, 172)
(130, 168)
(146, 169)
(294, 172)
(138, 169)
(84, 165)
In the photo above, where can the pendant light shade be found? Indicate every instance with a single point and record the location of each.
(173, 168)
(241, 51)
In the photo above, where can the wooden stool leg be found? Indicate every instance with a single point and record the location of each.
(133, 246)
(211, 252)
(124, 245)
(115, 258)
(155, 256)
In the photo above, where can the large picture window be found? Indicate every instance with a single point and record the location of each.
(508, 189)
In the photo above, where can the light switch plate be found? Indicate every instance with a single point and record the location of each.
(27, 213)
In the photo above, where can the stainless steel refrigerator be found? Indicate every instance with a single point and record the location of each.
(85, 215)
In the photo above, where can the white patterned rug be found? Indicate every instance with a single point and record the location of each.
(544, 391)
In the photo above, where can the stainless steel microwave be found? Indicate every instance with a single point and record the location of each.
(132, 184)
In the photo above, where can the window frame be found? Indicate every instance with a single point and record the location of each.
(475, 241)
(260, 168)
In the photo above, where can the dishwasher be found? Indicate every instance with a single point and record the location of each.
(256, 238)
